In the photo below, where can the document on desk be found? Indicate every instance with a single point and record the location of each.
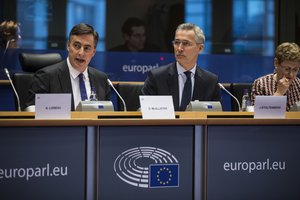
(157, 107)
(270, 107)
(52, 106)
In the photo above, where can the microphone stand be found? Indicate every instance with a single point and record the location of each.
(237, 101)
(13, 87)
(8, 76)
(124, 105)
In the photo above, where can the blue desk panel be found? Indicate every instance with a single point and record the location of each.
(253, 162)
(146, 162)
(42, 163)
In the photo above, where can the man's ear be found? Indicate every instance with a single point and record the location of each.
(201, 47)
(68, 45)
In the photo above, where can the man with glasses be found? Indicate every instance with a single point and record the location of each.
(184, 79)
(284, 81)
(73, 75)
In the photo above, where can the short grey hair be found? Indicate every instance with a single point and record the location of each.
(199, 34)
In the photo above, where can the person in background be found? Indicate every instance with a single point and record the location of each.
(10, 34)
(65, 76)
(172, 79)
(10, 38)
(134, 34)
(284, 81)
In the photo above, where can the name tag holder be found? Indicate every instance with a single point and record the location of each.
(53, 106)
(272, 107)
(157, 107)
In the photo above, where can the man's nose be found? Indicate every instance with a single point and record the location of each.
(81, 50)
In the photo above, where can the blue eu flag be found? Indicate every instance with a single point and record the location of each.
(164, 175)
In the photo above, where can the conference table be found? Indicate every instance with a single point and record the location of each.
(119, 155)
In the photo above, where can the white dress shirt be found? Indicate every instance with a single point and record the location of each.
(75, 83)
(182, 79)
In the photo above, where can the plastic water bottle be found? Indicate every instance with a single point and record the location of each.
(93, 96)
(245, 100)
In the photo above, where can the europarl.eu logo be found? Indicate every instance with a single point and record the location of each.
(147, 167)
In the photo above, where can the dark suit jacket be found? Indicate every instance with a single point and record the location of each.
(164, 81)
(56, 79)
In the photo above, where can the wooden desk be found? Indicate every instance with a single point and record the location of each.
(4, 82)
(204, 143)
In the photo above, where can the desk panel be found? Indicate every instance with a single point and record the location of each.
(128, 156)
(42, 163)
(253, 162)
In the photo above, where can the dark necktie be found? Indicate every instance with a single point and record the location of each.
(82, 87)
(187, 91)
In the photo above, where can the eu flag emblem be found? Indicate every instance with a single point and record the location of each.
(164, 175)
(100, 106)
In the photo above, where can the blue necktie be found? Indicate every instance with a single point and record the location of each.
(82, 87)
(187, 91)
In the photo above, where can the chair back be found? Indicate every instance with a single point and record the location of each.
(237, 90)
(130, 93)
(22, 82)
(30, 63)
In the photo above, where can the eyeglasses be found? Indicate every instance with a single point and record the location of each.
(86, 48)
(288, 69)
(184, 43)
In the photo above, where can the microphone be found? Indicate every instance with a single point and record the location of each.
(124, 105)
(8, 43)
(237, 101)
(8, 76)
(12, 85)
(6, 47)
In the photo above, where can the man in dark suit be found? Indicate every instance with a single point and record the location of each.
(172, 79)
(63, 77)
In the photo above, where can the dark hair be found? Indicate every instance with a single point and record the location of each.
(85, 29)
(129, 23)
(8, 30)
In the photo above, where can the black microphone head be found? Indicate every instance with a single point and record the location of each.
(10, 41)
(110, 83)
(221, 86)
(6, 71)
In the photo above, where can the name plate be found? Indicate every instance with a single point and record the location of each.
(53, 106)
(157, 107)
(270, 107)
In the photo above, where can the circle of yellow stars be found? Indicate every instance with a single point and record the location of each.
(161, 170)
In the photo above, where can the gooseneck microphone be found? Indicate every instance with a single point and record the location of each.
(6, 47)
(8, 76)
(237, 101)
(124, 104)
(13, 87)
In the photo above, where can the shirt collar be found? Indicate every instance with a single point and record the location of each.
(181, 70)
(74, 73)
